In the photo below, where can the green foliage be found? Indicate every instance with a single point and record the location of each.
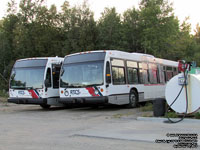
(197, 115)
(78, 28)
(171, 114)
(147, 107)
(35, 30)
(109, 30)
(158, 26)
(131, 30)
(3, 94)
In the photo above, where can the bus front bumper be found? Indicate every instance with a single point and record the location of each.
(84, 100)
(35, 101)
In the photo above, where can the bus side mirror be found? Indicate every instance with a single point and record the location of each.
(108, 78)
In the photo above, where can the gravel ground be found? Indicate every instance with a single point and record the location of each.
(111, 127)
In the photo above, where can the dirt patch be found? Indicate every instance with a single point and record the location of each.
(3, 99)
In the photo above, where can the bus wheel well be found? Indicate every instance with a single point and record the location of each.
(134, 89)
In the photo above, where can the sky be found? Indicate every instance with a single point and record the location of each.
(182, 8)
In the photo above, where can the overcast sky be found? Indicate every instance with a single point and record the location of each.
(182, 8)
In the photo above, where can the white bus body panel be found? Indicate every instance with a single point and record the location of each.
(119, 94)
(37, 96)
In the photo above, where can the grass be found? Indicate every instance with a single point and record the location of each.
(171, 115)
(147, 107)
(175, 115)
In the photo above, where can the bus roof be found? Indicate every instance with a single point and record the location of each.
(140, 57)
(37, 58)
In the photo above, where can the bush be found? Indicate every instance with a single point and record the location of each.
(197, 115)
(171, 115)
(3, 93)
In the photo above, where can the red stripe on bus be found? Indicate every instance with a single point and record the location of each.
(91, 90)
(33, 94)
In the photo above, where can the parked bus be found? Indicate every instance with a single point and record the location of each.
(114, 77)
(35, 81)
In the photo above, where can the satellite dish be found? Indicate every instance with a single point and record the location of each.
(174, 86)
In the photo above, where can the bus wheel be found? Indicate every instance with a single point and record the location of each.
(133, 99)
(45, 106)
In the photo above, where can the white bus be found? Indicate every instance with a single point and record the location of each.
(114, 77)
(35, 81)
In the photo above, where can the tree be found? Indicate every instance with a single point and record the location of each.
(78, 28)
(196, 49)
(38, 32)
(109, 30)
(182, 47)
(7, 58)
(131, 30)
(197, 34)
(159, 26)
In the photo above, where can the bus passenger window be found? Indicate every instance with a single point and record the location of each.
(118, 75)
(132, 69)
(118, 71)
(161, 74)
(145, 75)
(153, 74)
(175, 71)
(108, 75)
(48, 78)
(132, 75)
(143, 72)
(169, 73)
(56, 73)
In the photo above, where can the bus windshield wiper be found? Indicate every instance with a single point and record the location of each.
(92, 85)
(75, 85)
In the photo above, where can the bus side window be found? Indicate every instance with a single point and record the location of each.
(56, 73)
(153, 73)
(48, 78)
(144, 73)
(158, 74)
(169, 73)
(118, 71)
(175, 71)
(132, 69)
(108, 75)
(162, 74)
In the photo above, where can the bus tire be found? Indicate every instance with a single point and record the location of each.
(159, 107)
(45, 106)
(133, 99)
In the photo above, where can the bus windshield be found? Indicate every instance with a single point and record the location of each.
(27, 78)
(82, 74)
